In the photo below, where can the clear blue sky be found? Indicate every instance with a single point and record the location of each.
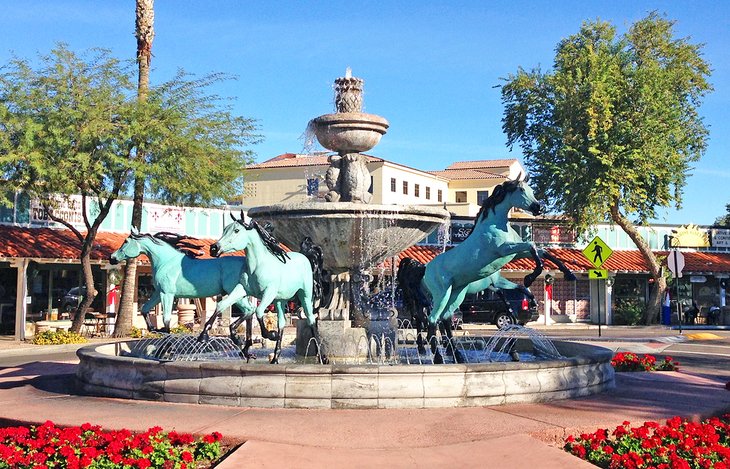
(429, 67)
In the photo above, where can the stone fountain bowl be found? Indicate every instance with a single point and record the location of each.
(351, 235)
(349, 132)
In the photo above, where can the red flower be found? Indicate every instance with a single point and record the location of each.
(186, 456)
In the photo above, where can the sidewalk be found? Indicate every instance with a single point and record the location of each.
(518, 435)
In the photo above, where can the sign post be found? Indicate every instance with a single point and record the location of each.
(675, 262)
(597, 252)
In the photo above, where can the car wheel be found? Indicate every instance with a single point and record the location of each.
(504, 320)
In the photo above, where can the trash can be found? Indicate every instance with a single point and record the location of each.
(666, 315)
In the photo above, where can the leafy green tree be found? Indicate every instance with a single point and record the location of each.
(65, 129)
(611, 131)
(724, 220)
(74, 125)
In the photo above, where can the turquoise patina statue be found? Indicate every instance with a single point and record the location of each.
(273, 275)
(473, 265)
(177, 275)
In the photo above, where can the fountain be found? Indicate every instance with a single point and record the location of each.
(354, 236)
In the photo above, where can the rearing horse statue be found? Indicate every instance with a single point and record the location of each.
(474, 263)
(273, 275)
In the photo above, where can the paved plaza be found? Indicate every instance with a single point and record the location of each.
(517, 435)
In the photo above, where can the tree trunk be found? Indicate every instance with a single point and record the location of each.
(653, 307)
(91, 292)
(145, 34)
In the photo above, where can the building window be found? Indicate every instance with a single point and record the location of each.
(416, 190)
(440, 195)
(482, 196)
(428, 193)
(405, 187)
(460, 197)
(392, 184)
(312, 186)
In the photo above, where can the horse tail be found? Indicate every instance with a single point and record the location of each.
(410, 274)
(316, 259)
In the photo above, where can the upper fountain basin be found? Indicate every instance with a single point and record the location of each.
(349, 132)
(352, 236)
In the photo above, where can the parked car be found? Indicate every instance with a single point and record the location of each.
(72, 299)
(487, 307)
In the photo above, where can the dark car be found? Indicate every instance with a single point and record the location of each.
(487, 307)
(72, 299)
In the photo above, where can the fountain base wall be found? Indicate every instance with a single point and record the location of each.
(104, 372)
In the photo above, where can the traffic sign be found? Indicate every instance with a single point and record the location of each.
(597, 252)
(598, 274)
(675, 262)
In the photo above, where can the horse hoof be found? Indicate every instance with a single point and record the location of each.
(438, 359)
(274, 361)
(203, 337)
(459, 357)
(421, 349)
(514, 355)
(324, 360)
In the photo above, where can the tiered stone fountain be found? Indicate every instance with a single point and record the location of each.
(353, 234)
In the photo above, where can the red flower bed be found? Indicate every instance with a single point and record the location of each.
(678, 444)
(87, 446)
(627, 361)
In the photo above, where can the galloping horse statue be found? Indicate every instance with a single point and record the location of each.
(177, 275)
(474, 264)
(273, 275)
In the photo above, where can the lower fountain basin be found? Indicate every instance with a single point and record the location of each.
(104, 371)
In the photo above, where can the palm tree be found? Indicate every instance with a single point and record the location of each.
(145, 34)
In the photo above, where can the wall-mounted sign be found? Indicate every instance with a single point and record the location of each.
(162, 218)
(66, 209)
(690, 236)
(697, 279)
(552, 234)
(720, 238)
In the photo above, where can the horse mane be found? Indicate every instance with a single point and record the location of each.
(180, 243)
(269, 241)
(495, 198)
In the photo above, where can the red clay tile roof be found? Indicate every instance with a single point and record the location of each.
(47, 243)
(466, 174)
(620, 261)
(292, 159)
(481, 164)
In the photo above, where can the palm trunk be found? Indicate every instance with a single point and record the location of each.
(145, 33)
(653, 307)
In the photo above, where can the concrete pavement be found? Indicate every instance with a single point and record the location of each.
(519, 435)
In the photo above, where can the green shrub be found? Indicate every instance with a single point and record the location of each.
(58, 337)
(628, 312)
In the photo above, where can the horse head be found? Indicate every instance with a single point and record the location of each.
(236, 236)
(523, 197)
(130, 249)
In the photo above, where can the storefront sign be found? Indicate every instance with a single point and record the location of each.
(459, 233)
(161, 218)
(690, 236)
(67, 209)
(720, 238)
(547, 234)
(698, 279)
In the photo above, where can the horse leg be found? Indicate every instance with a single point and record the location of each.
(247, 310)
(235, 296)
(280, 324)
(433, 341)
(149, 304)
(529, 278)
(167, 300)
(569, 275)
(421, 323)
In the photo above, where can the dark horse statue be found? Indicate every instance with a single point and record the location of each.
(434, 291)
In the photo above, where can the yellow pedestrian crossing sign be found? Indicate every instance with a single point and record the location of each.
(597, 252)
(598, 274)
